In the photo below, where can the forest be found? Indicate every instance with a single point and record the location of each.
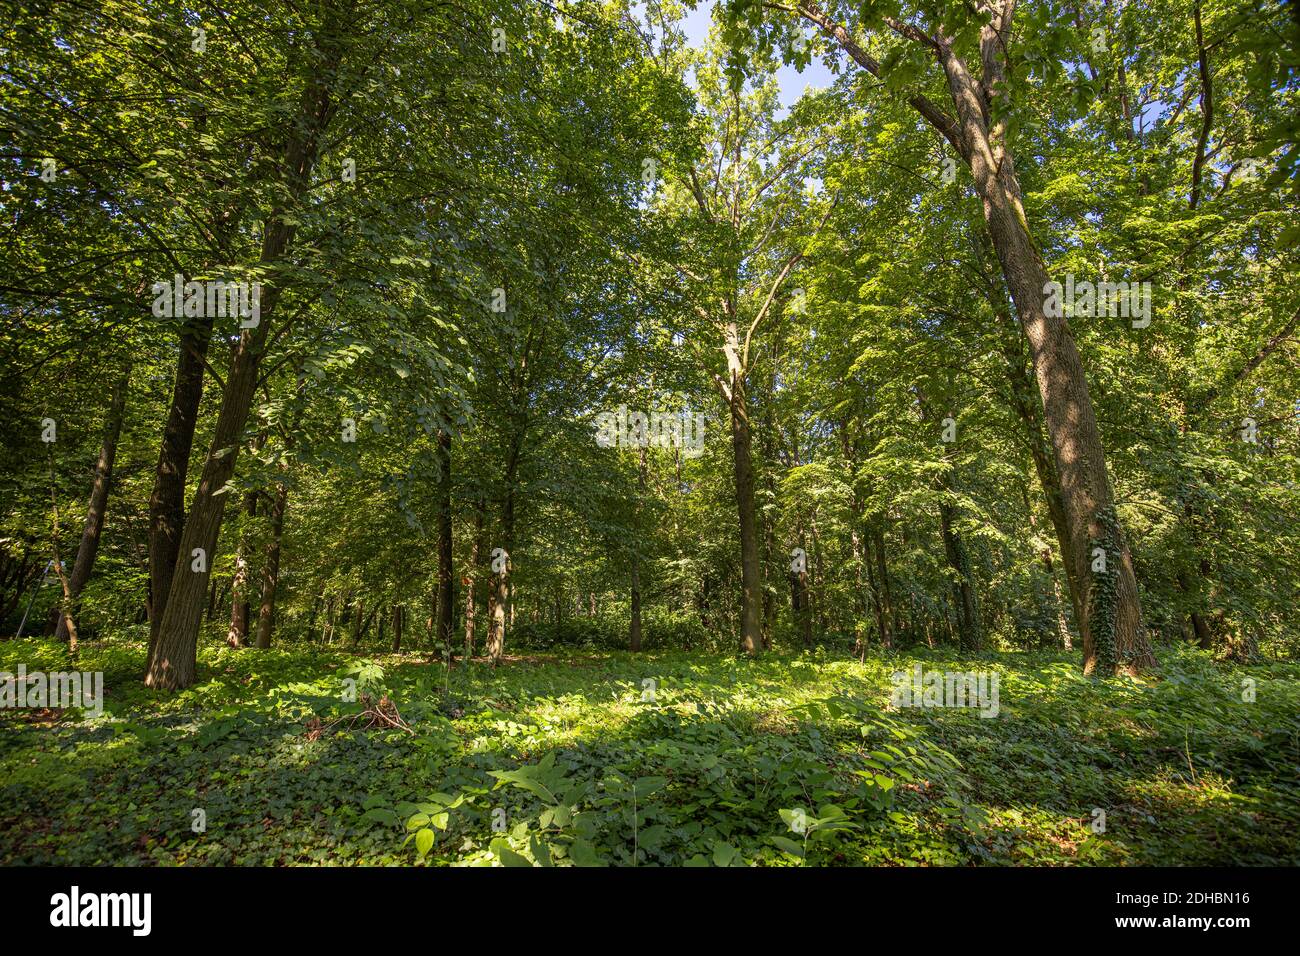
(742, 433)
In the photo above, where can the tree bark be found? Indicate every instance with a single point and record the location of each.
(767, 440)
(240, 587)
(800, 607)
(499, 601)
(500, 593)
(95, 510)
(964, 598)
(471, 576)
(877, 605)
(1062, 627)
(359, 622)
(212, 598)
(857, 548)
(751, 572)
(1029, 409)
(21, 573)
(634, 628)
(271, 569)
(58, 566)
(1207, 106)
(1114, 638)
(173, 663)
(887, 611)
(815, 584)
(445, 591)
(167, 501)
(328, 602)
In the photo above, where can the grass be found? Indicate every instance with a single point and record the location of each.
(557, 757)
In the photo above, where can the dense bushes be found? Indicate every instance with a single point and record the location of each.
(660, 630)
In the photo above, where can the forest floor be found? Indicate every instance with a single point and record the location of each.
(665, 757)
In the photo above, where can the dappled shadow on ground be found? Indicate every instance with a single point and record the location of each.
(1182, 774)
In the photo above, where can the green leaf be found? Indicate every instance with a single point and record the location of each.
(645, 786)
(381, 815)
(583, 853)
(508, 857)
(541, 853)
(788, 845)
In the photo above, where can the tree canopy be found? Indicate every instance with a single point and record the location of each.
(503, 328)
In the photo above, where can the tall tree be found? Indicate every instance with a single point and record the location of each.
(978, 129)
(96, 508)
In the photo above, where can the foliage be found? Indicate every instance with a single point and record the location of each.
(586, 772)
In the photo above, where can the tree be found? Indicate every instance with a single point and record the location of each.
(979, 130)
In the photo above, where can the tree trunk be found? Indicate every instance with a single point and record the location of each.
(888, 613)
(634, 628)
(471, 576)
(1204, 638)
(857, 549)
(708, 588)
(815, 584)
(445, 591)
(1243, 645)
(804, 607)
(498, 590)
(173, 664)
(22, 574)
(800, 609)
(212, 599)
(1113, 635)
(58, 566)
(965, 601)
(271, 569)
(859, 599)
(499, 599)
(397, 628)
(430, 628)
(94, 525)
(240, 605)
(877, 605)
(167, 501)
(500, 593)
(1029, 409)
(767, 439)
(1111, 615)
(964, 597)
(1062, 627)
(359, 622)
(751, 572)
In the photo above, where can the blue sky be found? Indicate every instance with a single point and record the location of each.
(816, 75)
(792, 82)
